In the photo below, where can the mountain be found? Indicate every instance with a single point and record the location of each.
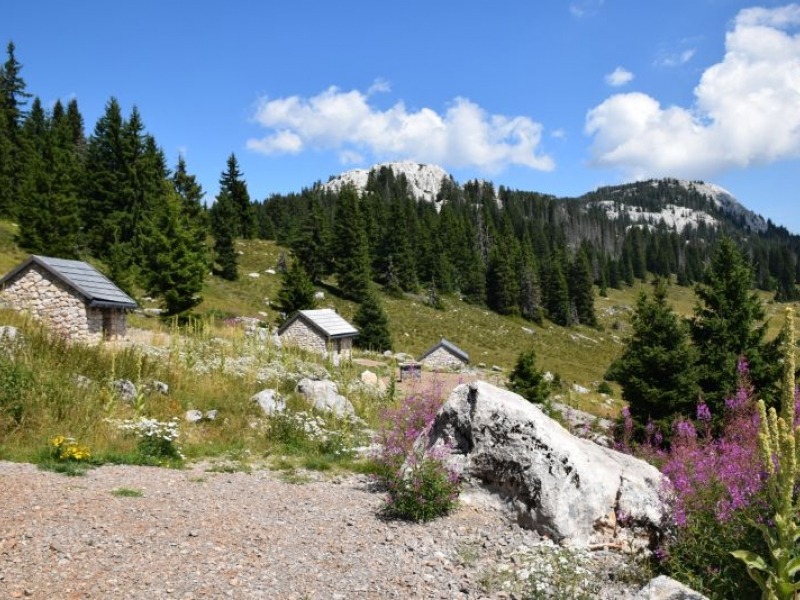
(671, 203)
(424, 181)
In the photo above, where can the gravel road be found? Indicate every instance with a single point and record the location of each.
(196, 533)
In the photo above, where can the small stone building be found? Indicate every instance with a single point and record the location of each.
(444, 355)
(70, 296)
(323, 331)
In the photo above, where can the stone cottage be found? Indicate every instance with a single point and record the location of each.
(70, 296)
(444, 355)
(323, 331)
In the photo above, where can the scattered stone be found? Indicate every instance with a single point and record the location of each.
(211, 415)
(82, 381)
(497, 369)
(158, 387)
(8, 333)
(319, 295)
(269, 401)
(152, 312)
(324, 395)
(125, 389)
(579, 389)
(481, 365)
(555, 483)
(548, 377)
(254, 275)
(270, 271)
(666, 588)
(193, 416)
(369, 377)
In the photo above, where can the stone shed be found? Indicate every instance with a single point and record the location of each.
(444, 355)
(323, 331)
(70, 296)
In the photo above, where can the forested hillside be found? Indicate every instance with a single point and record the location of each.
(110, 196)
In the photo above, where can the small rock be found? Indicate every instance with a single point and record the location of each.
(270, 271)
(269, 401)
(369, 377)
(254, 275)
(497, 369)
(319, 295)
(211, 415)
(125, 389)
(193, 416)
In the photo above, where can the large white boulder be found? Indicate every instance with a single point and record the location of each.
(665, 588)
(562, 486)
(269, 401)
(324, 395)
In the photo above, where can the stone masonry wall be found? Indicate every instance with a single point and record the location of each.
(61, 308)
(442, 359)
(301, 334)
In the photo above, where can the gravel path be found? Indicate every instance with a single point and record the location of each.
(194, 533)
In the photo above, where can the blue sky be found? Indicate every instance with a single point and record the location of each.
(548, 96)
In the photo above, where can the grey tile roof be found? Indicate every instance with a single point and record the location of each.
(95, 287)
(327, 320)
(450, 347)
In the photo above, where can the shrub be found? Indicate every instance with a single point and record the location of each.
(716, 491)
(419, 482)
(155, 440)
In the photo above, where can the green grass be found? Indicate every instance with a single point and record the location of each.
(124, 492)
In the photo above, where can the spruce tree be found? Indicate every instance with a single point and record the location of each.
(232, 182)
(728, 323)
(350, 249)
(191, 196)
(527, 380)
(297, 290)
(656, 368)
(175, 264)
(372, 324)
(223, 223)
(556, 292)
(581, 289)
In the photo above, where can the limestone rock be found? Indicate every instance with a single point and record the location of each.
(319, 295)
(159, 387)
(269, 401)
(324, 395)
(193, 416)
(8, 333)
(369, 378)
(211, 415)
(557, 484)
(125, 389)
(666, 588)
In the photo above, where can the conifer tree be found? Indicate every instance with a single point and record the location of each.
(556, 292)
(656, 369)
(191, 196)
(527, 380)
(223, 222)
(232, 182)
(581, 289)
(175, 264)
(311, 245)
(297, 290)
(728, 323)
(350, 249)
(372, 324)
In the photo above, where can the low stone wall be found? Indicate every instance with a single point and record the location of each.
(441, 358)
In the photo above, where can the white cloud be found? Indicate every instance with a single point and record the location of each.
(746, 109)
(585, 8)
(676, 59)
(559, 134)
(379, 86)
(619, 77)
(465, 135)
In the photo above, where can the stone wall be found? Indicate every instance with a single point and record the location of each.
(301, 334)
(441, 358)
(63, 310)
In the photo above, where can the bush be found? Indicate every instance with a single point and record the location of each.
(419, 482)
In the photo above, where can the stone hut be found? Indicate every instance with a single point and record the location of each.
(70, 296)
(323, 331)
(444, 355)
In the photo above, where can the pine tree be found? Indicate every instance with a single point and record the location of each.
(556, 292)
(728, 323)
(232, 182)
(310, 246)
(223, 223)
(527, 380)
(581, 289)
(191, 196)
(655, 369)
(372, 324)
(176, 264)
(297, 290)
(350, 249)
(502, 284)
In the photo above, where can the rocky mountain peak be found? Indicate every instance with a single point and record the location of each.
(424, 181)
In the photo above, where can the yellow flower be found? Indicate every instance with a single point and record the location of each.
(58, 441)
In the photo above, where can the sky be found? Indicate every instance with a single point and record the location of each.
(552, 96)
